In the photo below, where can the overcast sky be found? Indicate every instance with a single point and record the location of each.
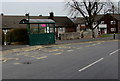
(34, 7)
(48, 0)
(33, 0)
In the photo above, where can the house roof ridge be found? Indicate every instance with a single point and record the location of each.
(32, 16)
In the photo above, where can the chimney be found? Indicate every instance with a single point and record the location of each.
(40, 15)
(51, 15)
(2, 14)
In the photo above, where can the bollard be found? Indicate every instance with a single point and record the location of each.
(114, 36)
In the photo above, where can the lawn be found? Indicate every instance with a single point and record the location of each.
(106, 35)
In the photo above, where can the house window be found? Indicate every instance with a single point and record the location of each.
(102, 22)
(113, 29)
(86, 23)
(82, 24)
(112, 22)
(61, 30)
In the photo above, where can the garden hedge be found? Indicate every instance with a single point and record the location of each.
(17, 35)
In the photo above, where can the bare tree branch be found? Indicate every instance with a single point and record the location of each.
(89, 9)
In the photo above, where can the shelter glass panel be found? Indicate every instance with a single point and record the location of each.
(33, 28)
(51, 28)
(42, 28)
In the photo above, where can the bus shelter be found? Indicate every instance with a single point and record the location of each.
(40, 31)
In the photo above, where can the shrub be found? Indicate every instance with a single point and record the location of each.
(17, 35)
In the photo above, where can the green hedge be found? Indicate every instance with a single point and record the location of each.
(17, 35)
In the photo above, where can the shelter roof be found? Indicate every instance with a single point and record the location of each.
(37, 21)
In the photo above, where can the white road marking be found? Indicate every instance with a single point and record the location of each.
(43, 57)
(32, 56)
(4, 60)
(79, 48)
(90, 64)
(57, 53)
(69, 50)
(99, 43)
(114, 52)
(87, 46)
(93, 44)
(16, 63)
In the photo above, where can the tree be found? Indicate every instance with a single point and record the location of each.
(119, 7)
(89, 9)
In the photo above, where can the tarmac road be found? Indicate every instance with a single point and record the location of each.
(88, 60)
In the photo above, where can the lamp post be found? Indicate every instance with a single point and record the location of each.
(28, 26)
(113, 22)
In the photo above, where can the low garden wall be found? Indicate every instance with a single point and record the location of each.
(78, 35)
(69, 36)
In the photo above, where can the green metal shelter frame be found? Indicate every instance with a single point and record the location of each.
(40, 31)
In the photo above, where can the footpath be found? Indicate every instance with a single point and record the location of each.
(18, 48)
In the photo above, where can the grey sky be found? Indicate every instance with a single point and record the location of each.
(33, 0)
(34, 8)
(49, 0)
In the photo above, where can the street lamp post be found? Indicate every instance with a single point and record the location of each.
(113, 22)
(28, 26)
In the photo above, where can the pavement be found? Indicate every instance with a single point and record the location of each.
(83, 40)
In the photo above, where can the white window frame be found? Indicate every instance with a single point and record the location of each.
(113, 29)
(102, 22)
(112, 22)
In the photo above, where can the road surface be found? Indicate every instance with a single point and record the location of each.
(88, 60)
